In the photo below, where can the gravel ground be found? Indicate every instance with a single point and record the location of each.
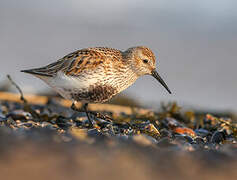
(51, 141)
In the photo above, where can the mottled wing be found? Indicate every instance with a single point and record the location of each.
(91, 58)
(85, 59)
(74, 63)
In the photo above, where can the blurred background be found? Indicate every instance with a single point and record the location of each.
(195, 43)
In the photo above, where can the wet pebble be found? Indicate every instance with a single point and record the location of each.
(94, 132)
(19, 115)
(202, 132)
(200, 141)
(62, 122)
(218, 137)
(48, 125)
(28, 125)
(171, 122)
(184, 131)
(166, 133)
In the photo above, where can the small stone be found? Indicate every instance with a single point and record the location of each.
(165, 133)
(28, 125)
(94, 132)
(218, 137)
(184, 130)
(199, 141)
(202, 132)
(19, 115)
(171, 122)
(151, 130)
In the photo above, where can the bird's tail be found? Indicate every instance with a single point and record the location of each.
(37, 72)
(49, 70)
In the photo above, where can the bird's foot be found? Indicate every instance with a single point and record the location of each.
(74, 108)
(101, 116)
(88, 113)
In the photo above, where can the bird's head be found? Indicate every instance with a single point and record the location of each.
(143, 62)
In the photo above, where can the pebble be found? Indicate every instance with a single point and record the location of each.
(218, 137)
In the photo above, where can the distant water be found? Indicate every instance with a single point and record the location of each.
(195, 42)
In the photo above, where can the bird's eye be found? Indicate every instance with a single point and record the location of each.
(145, 61)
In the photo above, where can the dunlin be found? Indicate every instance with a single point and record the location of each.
(95, 75)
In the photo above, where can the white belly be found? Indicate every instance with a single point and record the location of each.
(66, 85)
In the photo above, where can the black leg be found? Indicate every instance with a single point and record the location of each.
(101, 116)
(84, 109)
(96, 114)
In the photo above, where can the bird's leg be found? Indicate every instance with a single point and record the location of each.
(101, 116)
(84, 109)
(96, 114)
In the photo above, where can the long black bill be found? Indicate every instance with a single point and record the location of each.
(157, 76)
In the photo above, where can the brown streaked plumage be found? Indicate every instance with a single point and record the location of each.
(97, 74)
